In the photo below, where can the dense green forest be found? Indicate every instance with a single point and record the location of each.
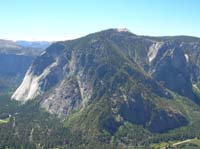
(31, 127)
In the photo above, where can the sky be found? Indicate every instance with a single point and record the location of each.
(54, 20)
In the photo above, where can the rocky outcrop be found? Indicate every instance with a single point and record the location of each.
(172, 71)
(64, 98)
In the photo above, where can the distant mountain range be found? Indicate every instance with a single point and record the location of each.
(33, 44)
(23, 47)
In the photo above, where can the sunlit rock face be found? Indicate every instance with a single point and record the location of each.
(31, 84)
(44, 72)
(153, 50)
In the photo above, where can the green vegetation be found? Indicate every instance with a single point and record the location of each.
(2, 121)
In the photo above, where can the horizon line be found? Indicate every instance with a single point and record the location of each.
(79, 36)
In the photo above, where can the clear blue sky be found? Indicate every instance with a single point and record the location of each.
(68, 19)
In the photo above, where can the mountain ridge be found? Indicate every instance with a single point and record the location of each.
(116, 68)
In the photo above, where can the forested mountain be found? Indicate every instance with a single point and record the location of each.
(110, 88)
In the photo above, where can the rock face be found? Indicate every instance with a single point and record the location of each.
(173, 72)
(126, 73)
(153, 50)
(64, 98)
(30, 87)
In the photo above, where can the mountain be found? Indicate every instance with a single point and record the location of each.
(33, 44)
(127, 74)
(11, 47)
(113, 84)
